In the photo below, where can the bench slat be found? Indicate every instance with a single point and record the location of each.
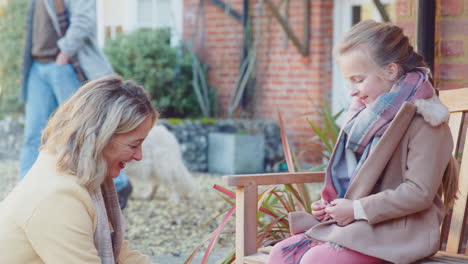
(445, 258)
(459, 209)
(455, 99)
(273, 178)
(440, 258)
(265, 250)
(257, 258)
(456, 125)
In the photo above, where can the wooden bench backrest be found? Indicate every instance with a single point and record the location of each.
(454, 231)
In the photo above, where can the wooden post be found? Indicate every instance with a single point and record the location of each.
(246, 222)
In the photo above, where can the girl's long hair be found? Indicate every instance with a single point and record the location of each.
(450, 183)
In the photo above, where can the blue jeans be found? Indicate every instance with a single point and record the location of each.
(49, 85)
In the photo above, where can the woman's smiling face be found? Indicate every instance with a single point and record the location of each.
(125, 147)
(367, 81)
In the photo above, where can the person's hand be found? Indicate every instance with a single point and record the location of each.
(62, 59)
(342, 211)
(318, 210)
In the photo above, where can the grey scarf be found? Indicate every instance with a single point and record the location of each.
(109, 230)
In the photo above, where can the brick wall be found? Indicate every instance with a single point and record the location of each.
(451, 47)
(285, 80)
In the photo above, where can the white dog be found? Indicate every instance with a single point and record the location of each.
(162, 164)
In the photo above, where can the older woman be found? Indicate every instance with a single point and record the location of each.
(66, 209)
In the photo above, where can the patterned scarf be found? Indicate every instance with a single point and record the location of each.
(109, 231)
(365, 126)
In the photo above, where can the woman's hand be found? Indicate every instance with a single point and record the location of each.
(318, 210)
(342, 211)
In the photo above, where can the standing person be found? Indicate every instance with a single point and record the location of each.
(382, 198)
(65, 210)
(59, 32)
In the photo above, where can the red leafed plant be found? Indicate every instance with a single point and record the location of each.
(277, 201)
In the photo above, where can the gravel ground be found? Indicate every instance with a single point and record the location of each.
(160, 227)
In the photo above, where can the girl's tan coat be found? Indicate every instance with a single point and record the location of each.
(399, 189)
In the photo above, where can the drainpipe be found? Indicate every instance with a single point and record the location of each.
(426, 31)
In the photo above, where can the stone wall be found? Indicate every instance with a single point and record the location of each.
(192, 136)
(11, 136)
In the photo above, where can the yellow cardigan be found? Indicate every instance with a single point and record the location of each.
(49, 218)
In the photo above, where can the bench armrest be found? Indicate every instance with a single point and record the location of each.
(246, 203)
(273, 178)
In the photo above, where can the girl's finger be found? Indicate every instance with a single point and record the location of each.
(318, 212)
(317, 203)
(316, 207)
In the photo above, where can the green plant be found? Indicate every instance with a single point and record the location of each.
(246, 75)
(207, 120)
(325, 135)
(174, 121)
(276, 202)
(147, 57)
(206, 97)
(12, 23)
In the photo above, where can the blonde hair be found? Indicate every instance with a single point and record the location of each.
(80, 129)
(385, 43)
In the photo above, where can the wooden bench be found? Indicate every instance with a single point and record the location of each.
(454, 230)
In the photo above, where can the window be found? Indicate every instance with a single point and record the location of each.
(155, 14)
(145, 13)
(160, 13)
(127, 15)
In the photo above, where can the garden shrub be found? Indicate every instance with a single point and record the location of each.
(12, 24)
(147, 57)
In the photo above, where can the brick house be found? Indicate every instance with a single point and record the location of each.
(296, 84)
(285, 80)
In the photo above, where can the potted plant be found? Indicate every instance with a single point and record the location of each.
(236, 153)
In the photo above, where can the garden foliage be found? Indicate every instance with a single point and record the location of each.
(147, 57)
(12, 24)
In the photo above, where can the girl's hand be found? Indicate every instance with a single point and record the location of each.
(318, 210)
(342, 211)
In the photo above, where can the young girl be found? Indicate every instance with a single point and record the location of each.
(382, 198)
